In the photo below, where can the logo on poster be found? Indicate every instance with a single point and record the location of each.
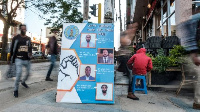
(71, 32)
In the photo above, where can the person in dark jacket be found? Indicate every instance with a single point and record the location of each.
(141, 65)
(21, 52)
(52, 50)
(140, 44)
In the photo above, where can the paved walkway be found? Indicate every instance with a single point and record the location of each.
(153, 102)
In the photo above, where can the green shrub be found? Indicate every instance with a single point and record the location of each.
(160, 62)
(150, 55)
(175, 55)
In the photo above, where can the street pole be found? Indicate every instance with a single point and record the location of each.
(40, 41)
(85, 9)
(120, 15)
(99, 13)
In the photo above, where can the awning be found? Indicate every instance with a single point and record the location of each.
(1, 35)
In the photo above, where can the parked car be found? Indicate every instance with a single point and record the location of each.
(37, 55)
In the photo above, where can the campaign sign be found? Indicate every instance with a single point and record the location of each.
(86, 70)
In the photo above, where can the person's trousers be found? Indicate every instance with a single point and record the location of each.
(197, 90)
(130, 82)
(53, 60)
(19, 63)
(123, 64)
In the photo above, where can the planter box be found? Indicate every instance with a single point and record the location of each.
(155, 78)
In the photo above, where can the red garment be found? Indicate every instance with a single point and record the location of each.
(141, 63)
(87, 44)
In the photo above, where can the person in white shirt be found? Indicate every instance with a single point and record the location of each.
(103, 95)
(88, 42)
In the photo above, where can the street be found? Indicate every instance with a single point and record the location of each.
(41, 96)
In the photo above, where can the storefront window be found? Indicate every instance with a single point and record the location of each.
(172, 19)
(173, 25)
(195, 6)
(172, 7)
(164, 16)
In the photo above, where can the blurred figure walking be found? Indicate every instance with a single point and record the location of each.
(190, 40)
(52, 49)
(21, 52)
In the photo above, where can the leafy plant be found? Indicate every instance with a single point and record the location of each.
(150, 55)
(161, 62)
(131, 49)
(60, 11)
(175, 55)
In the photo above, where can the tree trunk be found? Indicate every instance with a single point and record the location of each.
(4, 42)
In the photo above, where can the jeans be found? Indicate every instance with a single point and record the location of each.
(53, 60)
(130, 83)
(18, 64)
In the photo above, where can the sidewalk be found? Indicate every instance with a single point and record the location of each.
(154, 101)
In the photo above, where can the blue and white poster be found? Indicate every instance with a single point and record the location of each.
(86, 72)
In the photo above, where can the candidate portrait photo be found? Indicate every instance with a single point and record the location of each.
(87, 72)
(104, 91)
(88, 40)
(105, 56)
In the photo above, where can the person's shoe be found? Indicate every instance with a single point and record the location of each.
(132, 96)
(48, 79)
(196, 106)
(16, 94)
(24, 84)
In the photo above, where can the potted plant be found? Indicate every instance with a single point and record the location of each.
(162, 72)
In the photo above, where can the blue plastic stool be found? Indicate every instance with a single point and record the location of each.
(143, 86)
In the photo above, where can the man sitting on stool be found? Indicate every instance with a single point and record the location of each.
(141, 65)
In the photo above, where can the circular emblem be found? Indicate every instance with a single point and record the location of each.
(71, 32)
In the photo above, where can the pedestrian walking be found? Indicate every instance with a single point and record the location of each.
(190, 39)
(126, 39)
(52, 49)
(21, 52)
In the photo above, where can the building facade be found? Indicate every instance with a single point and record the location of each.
(161, 17)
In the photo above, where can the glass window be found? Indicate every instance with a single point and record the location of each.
(196, 7)
(173, 25)
(164, 16)
(172, 7)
